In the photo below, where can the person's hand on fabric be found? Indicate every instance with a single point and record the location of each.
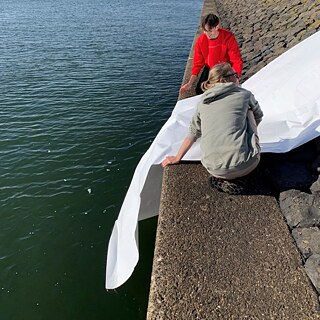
(169, 160)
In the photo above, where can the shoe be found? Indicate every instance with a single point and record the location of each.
(233, 187)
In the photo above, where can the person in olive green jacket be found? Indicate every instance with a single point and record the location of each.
(226, 119)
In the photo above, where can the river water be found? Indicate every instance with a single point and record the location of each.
(85, 87)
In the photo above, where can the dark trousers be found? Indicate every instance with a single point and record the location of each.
(203, 77)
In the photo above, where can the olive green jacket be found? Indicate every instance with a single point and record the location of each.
(228, 142)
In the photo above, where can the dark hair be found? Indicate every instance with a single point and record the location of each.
(211, 20)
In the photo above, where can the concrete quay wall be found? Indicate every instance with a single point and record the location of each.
(201, 247)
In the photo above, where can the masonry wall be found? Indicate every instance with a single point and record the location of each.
(265, 29)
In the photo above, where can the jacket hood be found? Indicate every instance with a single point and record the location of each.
(219, 91)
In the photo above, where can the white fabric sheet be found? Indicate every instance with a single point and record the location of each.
(288, 91)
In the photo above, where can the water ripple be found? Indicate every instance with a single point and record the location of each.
(85, 87)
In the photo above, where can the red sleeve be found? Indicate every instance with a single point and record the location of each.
(198, 59)
(234, 55)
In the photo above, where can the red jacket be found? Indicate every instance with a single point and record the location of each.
(211, 52)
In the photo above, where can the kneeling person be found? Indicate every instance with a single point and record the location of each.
(226, 119)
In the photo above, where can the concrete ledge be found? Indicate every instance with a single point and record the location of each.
(224, 257)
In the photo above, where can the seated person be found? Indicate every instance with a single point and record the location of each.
(226, 119)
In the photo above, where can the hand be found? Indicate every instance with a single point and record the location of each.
(185, 87)
(169, 160)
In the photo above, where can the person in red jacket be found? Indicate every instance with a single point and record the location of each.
(214, 46)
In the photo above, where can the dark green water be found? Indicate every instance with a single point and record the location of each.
(85, 87)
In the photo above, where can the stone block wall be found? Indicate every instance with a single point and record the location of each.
(265, 29)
